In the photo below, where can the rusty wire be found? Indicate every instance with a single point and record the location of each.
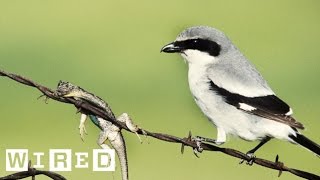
(88, 108)
(32, 172)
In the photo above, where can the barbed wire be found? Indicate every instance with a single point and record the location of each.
(32, 172)
(88, 108)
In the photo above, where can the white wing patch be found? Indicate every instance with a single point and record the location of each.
(246, 107)
(289, 113)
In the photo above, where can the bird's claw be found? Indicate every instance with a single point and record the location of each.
(251, 159)
(198, 142)
(196, 152)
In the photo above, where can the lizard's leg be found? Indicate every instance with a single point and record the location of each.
(113, 134)
(82, 127)
(108, 132)
(124, 117)
(103, 137)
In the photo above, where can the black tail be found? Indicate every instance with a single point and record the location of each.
(307, 143)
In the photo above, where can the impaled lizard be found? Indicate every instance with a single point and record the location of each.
(109, 131)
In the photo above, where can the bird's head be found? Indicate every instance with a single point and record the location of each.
(199, 45)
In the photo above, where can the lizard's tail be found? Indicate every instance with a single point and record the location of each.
(120, 148)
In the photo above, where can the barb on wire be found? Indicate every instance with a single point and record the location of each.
(32, 172)
(86, 107)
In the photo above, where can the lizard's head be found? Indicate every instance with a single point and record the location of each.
(66, 89)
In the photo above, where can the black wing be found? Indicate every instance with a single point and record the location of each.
(269, 107)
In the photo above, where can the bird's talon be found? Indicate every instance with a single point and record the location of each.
(197, 149)
(250, 162)
(251, 159)
(198, 138)
(195, 152)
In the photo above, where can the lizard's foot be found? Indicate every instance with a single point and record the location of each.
(82, 131)
(82, 127)
(46, 98)
(124, 117)
(251, 159)
(144, 133)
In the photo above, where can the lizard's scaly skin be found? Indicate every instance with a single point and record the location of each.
(108, 130)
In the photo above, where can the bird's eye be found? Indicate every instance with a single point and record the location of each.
(204, 45)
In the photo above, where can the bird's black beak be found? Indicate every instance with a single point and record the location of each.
(171, 48)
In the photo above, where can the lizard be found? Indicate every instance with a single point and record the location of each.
(109, 131)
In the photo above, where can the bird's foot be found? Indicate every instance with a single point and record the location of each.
(198, 140)
(209, 140)
(196, 150)
(251, 159)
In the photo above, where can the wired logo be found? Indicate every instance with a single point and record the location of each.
(61, 160)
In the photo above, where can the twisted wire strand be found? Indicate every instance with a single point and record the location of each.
(88, 108)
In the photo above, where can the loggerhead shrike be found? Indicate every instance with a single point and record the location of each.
(232, 93)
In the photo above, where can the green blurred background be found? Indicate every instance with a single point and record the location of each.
(112, 48)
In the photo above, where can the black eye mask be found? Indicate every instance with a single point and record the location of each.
(202, 45)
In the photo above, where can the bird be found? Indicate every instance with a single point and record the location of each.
(232, 94)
